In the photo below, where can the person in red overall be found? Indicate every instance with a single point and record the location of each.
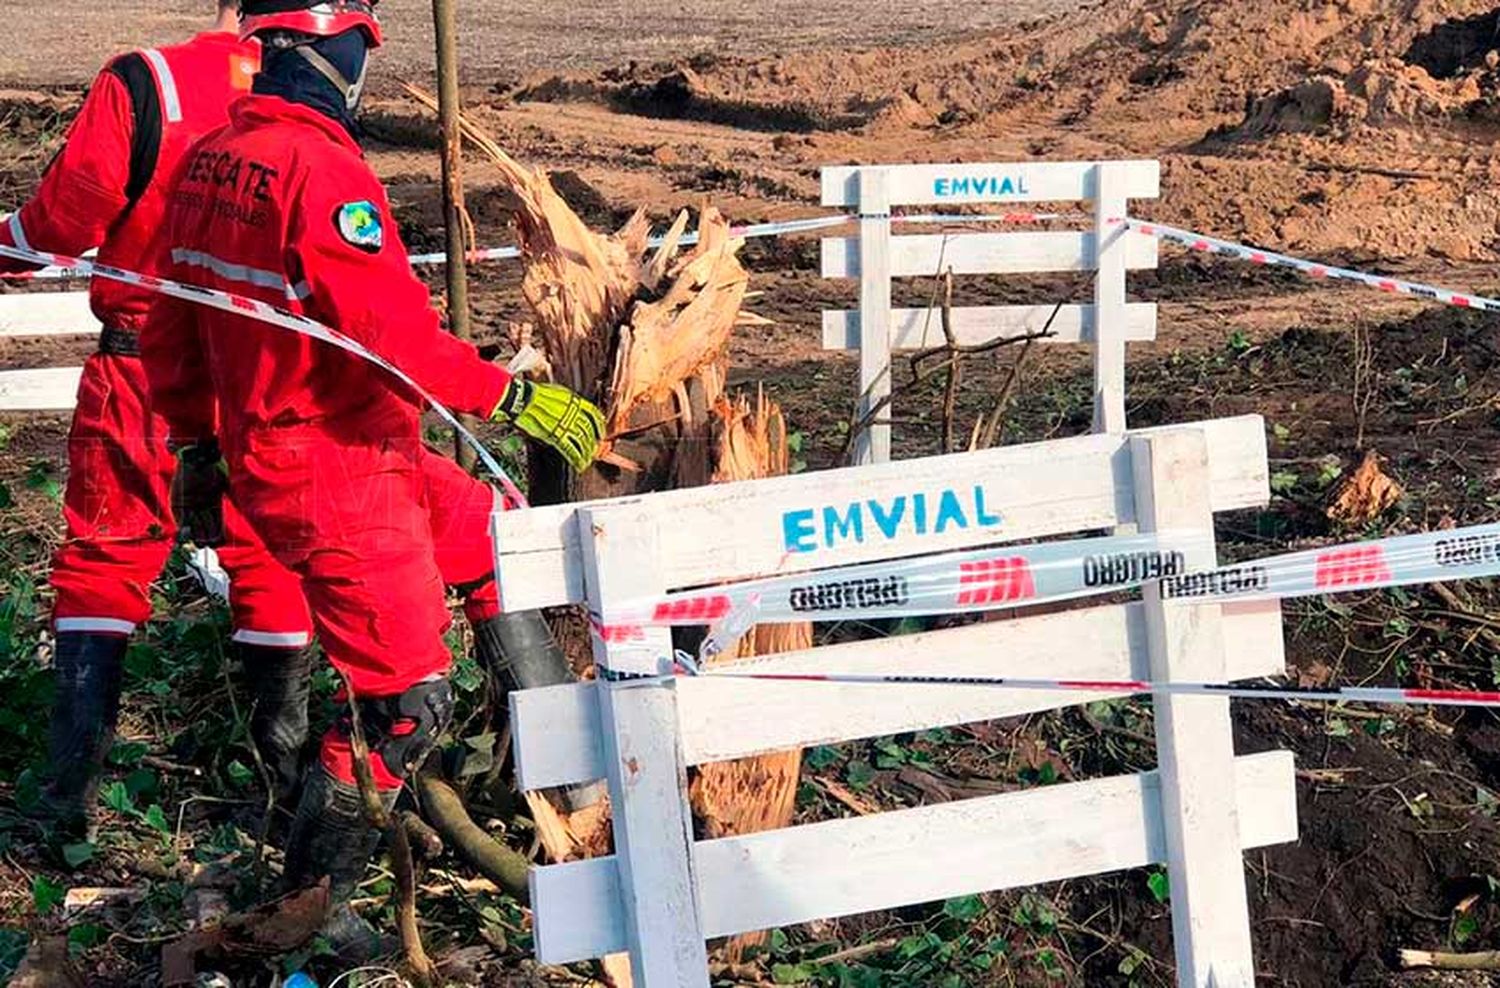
(323, 450)
(106, 188)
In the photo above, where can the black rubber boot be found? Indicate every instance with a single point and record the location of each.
(90, 670)
(280, 681)
(521, 653)
(331, 838)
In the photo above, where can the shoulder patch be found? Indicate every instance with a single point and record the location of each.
(359, 224)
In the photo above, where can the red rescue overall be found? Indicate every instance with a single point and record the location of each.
(324, 449)
(107, 187)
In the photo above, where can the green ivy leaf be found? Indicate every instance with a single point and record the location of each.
(1131, 962)
(821, 757)
(142, 783)
(77, 854)
(84, 936)
(128, 754)
(792, 974)
(917, 944)
(860, 774)
(156, 819)
(860, 976)
(1283, 482)
(41, 476)
(239, 773)
(1464, 929)
(117, 797)
(46, 895)
(965, 909)
(1160, 886)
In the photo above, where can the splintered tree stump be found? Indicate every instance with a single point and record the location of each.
(759, 793)
(646, 336)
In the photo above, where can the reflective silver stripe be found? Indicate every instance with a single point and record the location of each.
(273, 639)
(18, 232)
(231, 271)
(300, 292)
(171, 106)
(111, 626)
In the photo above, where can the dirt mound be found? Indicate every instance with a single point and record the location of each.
(1191, 59)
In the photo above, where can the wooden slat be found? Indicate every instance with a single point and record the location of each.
(638, 736)
(873, 444)
(843, 867)
(916, 329)
(1114, 241)
(47, 314)
(43, 390)
(737, 531)
(928, 254)
(1194, 735)
(1032, 181)
(557, 729)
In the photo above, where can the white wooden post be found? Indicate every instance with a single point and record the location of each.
(1194, 740)
(653, 825)
(874, 445)
(1111, 238)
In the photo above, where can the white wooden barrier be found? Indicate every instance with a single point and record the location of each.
(663, 893)
(876, 256)
(38, 314)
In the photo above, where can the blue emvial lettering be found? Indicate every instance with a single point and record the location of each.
(833, 525)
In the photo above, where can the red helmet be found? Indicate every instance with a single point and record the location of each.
(321, 18)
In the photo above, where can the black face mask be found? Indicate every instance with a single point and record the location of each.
(327, 74)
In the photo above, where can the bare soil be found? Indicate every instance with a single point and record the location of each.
(64, 42)
(1361, 132)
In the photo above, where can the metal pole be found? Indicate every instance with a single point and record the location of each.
(446, 28)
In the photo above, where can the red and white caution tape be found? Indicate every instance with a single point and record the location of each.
(1428, 557)
(1128, 687)
(1023, 576)
(956, 582)
(1240, 252)
(780, 229)
(250, 308)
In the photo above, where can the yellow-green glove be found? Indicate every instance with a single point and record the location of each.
(552, 414)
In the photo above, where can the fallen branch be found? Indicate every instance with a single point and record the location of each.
(1484, 960)
(922, 375)
(955, 371)
(494, 860)
(423, 972)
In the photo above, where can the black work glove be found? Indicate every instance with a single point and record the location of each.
(198, 490)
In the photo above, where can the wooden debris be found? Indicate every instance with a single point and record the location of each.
(83, 898)
(1366, 495)
(1484, 960)
(273, 929)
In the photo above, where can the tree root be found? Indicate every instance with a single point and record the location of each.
(494, 860)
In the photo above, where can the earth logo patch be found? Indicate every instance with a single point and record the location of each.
(359, 224)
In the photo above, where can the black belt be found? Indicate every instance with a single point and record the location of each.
(119, 342)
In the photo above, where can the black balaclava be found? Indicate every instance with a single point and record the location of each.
(327, 74)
